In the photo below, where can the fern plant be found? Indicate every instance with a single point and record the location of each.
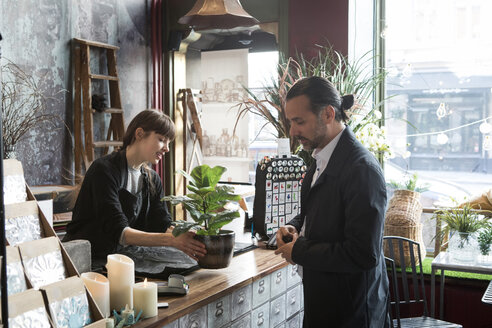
(408, 184)
(460, 220)
(205, 201)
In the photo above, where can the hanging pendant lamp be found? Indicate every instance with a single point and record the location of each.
(217, 14)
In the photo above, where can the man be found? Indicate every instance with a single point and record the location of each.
(337, 237)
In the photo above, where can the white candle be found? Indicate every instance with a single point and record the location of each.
(145, 298)
(121, 275)
(98, 286)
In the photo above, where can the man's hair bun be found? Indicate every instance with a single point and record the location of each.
(347, 102)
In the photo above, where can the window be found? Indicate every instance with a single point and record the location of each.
(439, 94)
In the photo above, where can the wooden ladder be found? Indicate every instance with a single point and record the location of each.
(83, 111)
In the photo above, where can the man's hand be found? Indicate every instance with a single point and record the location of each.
(286, 250)
(192, 247)
(285, 235)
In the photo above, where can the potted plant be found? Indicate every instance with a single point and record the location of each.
(24, 106)
(404, 213)
(205, 205)
(484, 243)
(462, 225)
(348, 76)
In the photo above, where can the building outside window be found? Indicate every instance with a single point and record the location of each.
(439, 87)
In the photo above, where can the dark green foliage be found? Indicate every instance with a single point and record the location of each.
(205, 201)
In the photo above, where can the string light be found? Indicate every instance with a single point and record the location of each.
(442, 139)
(487, 143)
(407, 71)
(441, 111)
(485, 127)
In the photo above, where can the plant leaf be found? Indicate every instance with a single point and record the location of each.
(182, 227)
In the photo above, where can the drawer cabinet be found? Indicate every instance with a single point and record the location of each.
(261, 291)
(197, 319)
(293, 301)
(241, 301)
(243, 322)
(219, 312)
(292, 276)
(293, 322)
(277, 311)
(278, 282)
(260, 317)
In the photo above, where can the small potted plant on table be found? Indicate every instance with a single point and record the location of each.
(205, 204)
(462, 225)
(484, 243)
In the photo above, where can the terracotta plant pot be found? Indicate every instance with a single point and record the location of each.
(219, 250)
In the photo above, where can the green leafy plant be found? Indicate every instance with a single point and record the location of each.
(408, 184)
(349, 77)
(205, 201)
(460, 220)
(485, 240)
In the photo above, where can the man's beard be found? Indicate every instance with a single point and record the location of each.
(319, 136)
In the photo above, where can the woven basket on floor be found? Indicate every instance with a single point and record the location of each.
(403, 219)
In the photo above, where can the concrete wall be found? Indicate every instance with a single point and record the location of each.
(37, 36)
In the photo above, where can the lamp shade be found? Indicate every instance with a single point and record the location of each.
(217, 14)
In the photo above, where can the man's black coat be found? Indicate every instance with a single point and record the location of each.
(344, 273)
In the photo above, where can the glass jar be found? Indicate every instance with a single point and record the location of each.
(463, 246)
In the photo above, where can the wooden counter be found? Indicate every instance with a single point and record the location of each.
(207, 286)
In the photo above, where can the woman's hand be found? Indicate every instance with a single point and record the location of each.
(192, 247)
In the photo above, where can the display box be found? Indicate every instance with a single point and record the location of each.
(27, 310)
(16, 278)
(69, 303)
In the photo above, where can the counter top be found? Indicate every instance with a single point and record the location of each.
(209, 285)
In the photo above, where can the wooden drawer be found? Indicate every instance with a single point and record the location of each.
(293, 322)
(278, 282)
(197, 319)
(277, 311)
(261, 291)
(293, 277)
(241, 301)
(219, 312)
(260, 317)
(243, 322)
(293, 301)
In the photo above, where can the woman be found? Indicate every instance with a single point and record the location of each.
(120, 198)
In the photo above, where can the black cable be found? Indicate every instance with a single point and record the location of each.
(3, 271)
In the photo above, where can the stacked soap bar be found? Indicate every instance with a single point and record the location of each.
(277, 193)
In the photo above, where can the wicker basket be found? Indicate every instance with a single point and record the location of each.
(403, 219)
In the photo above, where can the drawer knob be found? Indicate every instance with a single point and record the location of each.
(292, 300)
(279, 280)
(218, 305)
(261, 290)
(260, 322)
(219, 312)
(240, 299)
(195, 324)
(277, 310)
(262, 282)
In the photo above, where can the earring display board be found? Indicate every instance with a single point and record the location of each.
(277, 193)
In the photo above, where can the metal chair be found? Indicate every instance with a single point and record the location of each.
(487, 296)
(403, 250)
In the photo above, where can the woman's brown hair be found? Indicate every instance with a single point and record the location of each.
(150, 120)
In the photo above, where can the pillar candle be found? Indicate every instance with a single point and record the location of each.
(98, 286)
(121, 275)
(145, 298)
